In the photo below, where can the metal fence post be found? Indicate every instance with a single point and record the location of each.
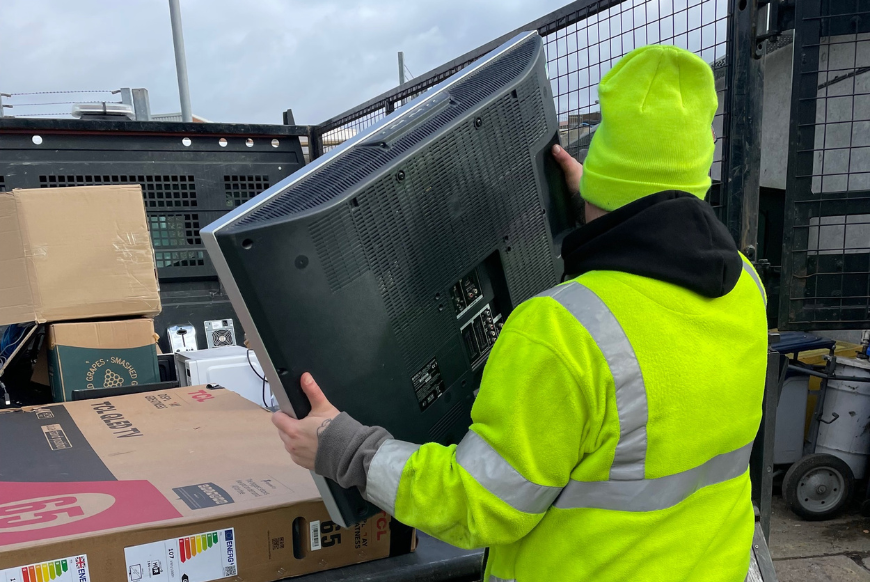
(141, 104)
(743, 163)
(761, 459)
(401, 72)
(126, 96)
(315, 143)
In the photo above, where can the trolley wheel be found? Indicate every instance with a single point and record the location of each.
(818, 487)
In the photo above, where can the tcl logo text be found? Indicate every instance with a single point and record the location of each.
(381, 524)
(200, 396)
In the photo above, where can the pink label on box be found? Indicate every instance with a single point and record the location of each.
(39, 511)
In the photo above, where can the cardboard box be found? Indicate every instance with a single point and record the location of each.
(75, 253)
(117, 488)
(101, 354)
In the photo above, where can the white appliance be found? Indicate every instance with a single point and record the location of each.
(227, 367)
(219, 333)
(182, 338)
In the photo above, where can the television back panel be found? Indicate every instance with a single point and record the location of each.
(387, 267)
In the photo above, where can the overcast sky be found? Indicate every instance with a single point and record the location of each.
(248, 60)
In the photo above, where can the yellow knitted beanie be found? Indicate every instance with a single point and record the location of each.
(657, 108)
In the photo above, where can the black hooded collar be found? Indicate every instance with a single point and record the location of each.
(670, 236)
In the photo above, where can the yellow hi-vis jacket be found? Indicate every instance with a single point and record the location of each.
(610, 438)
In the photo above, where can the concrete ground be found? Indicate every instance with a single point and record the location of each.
(826, 551)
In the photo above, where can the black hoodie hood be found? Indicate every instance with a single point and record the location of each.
(670, 236)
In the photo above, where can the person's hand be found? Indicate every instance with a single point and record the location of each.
(572, 168)
(573, 171)
(300, 436)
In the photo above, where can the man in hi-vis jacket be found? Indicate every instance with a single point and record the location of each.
(611, 435)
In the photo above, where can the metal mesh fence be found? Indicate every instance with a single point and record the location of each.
(827, 247)
(336, 136)
(582, 42)
(580, 54)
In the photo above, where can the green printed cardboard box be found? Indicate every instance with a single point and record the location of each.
(103, 354)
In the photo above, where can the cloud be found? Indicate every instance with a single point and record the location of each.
(247, 61)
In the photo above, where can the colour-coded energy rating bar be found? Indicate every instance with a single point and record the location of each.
(44, 571)
(202, 557)
(73, 569)
(192, 545)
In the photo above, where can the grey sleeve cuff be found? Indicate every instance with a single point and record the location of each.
(345, 450)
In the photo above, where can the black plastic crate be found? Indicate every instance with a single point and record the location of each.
(239, 188)
(178, 249)
(159, 191)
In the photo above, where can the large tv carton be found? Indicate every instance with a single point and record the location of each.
(183, 485)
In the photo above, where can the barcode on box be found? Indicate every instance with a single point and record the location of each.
(314, 530)
(230, 571)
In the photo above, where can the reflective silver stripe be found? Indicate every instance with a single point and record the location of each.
(631, 403)
(654, 494)
(382, 480)
(490, 469)
(494, 578)
(748, 268)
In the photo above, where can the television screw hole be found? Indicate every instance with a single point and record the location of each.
(400, 175)
(301, 262)
(478, 122)
(247, 243)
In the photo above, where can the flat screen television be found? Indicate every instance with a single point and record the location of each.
(387, 267)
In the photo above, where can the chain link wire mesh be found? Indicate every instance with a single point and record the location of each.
(826, 262)
(583, 41)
